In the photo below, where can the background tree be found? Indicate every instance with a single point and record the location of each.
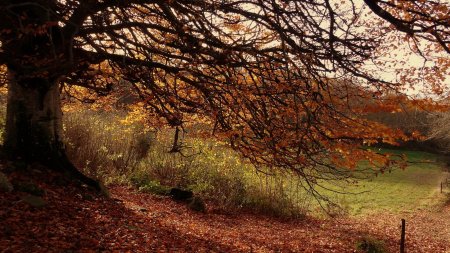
(278, 78)
(440, 130)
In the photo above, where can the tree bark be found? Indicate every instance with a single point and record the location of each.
(33, 119)
(34, 125)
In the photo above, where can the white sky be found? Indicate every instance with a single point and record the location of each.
(402, 58)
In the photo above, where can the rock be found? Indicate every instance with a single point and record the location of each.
(5, 185)
(34, 201)
(197, 204)
(181, 195)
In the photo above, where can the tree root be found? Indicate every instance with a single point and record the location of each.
(63, 163)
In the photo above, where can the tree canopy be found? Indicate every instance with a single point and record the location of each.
(286, 81)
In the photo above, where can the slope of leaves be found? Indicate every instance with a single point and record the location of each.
(76, 219)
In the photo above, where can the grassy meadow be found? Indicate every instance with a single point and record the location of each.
(414, 188)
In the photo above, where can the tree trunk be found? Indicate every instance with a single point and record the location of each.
(33, 119)
(38, 58)
(34, 125)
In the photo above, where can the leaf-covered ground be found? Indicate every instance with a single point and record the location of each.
(75, 219)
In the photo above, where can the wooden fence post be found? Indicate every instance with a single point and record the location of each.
(402, 238)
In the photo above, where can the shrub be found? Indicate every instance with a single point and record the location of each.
(217, 174)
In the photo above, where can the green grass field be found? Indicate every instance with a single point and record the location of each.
(417, 187)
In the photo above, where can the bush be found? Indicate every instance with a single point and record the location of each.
(217, 174)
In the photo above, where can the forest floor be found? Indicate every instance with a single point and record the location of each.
(74, 219)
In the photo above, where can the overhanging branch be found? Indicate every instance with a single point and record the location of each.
(398, 23)
(123, 60)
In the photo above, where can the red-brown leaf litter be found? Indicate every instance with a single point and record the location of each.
(75, 219)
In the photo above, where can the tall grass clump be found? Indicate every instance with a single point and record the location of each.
(279, 193)
(102, 146)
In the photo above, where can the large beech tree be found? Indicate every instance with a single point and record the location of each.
(286, 81)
